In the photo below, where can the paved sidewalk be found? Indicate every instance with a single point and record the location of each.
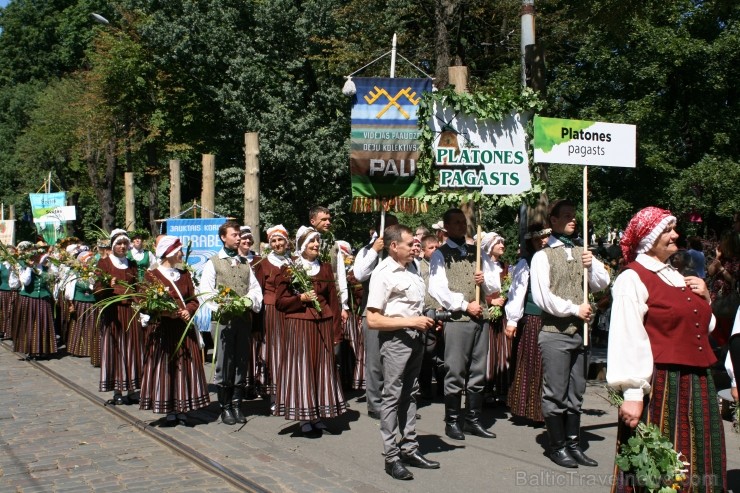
(45, 431)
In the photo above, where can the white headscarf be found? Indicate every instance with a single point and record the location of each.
(303, 236)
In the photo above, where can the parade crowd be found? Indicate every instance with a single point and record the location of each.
(422, 316)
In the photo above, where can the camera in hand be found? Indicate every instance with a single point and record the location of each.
(438, 316)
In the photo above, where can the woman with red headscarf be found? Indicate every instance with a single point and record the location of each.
(659, 354)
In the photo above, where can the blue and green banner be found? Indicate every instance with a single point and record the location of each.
(49, 226)
(385, 144)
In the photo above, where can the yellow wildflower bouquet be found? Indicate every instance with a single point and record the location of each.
(301, 281)
(154, 300)
(230, 304)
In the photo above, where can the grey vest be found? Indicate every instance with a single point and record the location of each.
(236, 278)
(460, 271)
(566, 282)
(429, 302)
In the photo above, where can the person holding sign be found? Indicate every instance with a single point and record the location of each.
(557, 289)
(452, 268)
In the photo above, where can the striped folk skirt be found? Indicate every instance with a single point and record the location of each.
(525, 393)
(173, 382)
(82, 329)
(309, 387)
(35, 336)
(499, 366)
(8, 301)
(273, 329)
(95, 347)
(683, 403)
(121, 349)
(258, 375)
(353, 334)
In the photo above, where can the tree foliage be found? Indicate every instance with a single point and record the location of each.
(178, 79)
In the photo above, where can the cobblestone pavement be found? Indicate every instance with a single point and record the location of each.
(53, 439)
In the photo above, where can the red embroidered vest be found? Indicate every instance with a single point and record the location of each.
(676, 322)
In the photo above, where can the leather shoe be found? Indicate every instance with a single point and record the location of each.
(118, 400)
(397, 470)
(238, 415)
(453, 431)
(477, 430)
(227, 416)
(578, 455)
(562, 458)
(415, 459)
(373, 414)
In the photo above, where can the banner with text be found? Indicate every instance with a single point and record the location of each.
(51, 228)
(385, 143)
(582, 142)
(203, 233)
(485, 155)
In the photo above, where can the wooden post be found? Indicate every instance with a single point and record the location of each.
(207, 200)
(174, 187)
(459, 77)
(252, 184)
(128, 180)
(11, 212)
(585, 248)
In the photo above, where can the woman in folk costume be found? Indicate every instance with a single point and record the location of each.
(659, 354)
(121, 334)
(273, 321)
(174, 380)
(498, 367)
(308, 389)
(22, 250)
(523, 324)
(83, 335)
(36, 336)
(9, 285)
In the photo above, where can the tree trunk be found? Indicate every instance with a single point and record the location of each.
(153, 172)
(447, 16)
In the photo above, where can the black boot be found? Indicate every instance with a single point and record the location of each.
(573, 442)
(472, 417)
(558, 452)
(236, 404)
(224, 398)
(452, 417)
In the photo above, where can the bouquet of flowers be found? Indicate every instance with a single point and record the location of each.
(498, 311)
(154, 300)
(7, 256)
(301, 281)
(230, 304)
(650, 456)
(88, 272)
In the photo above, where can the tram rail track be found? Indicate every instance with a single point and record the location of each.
(211, 466)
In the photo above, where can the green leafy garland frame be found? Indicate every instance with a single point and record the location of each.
(481, 106)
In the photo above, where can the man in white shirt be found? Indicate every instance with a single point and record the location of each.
(394, 309)
(452, 282)
(365, 261)
(233, 344)
(557, 288)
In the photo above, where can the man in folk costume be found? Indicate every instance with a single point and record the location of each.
(320, 219)
(452, 282)
(144, 258)
(557, 288)
(230, 270)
